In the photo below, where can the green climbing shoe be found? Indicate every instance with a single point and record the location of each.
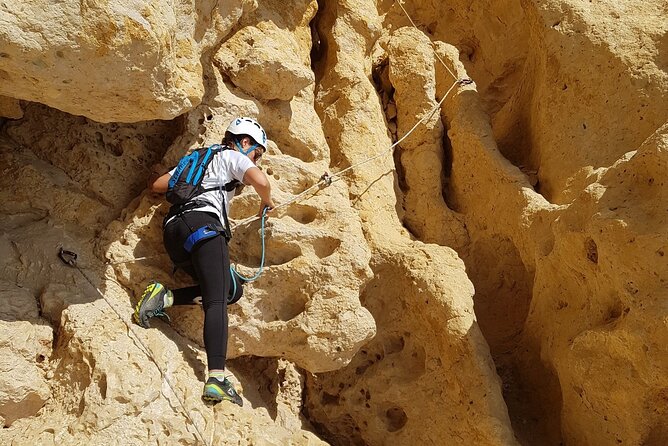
(216, 391)
(152, 303)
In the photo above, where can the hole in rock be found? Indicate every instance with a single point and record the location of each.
(116, 149)
(446, 192)
(282, 303)
(359, 370)
(468, 48)
(329, 399)
(395, 419)
(301, 213)
(292, 308)
(102, 385)
(393, 344)
(326, 246)
(247, 250)
(615, 312)
(591, 250)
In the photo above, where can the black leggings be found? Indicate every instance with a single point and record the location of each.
(209, 265)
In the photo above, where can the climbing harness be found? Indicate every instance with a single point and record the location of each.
(204, 233)
(211, 230)
(70, 258)
(208, 231)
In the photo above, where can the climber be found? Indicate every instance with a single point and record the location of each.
(196, 241)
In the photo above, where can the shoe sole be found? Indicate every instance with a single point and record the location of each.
(217, 397)
(211, 399)
(216, 400)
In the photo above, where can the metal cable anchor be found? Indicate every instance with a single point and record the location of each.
(68, 257)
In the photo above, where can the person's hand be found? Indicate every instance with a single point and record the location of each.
(269, 206)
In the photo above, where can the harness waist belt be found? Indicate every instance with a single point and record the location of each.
(179, 209)
(203, 233)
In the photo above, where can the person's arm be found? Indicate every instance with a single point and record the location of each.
(160, 185)
(256, 178)
(156, 182)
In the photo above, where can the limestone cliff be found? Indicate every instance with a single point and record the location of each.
(488, 268)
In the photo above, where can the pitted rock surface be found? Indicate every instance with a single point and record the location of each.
(489, 272)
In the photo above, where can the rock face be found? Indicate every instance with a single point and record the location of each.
(111, 60)
(606, 355)
(253, 52)
(486, 265)
(269, 58)
(10, 108)
(26, 344)
(389, 386)
(601, 81)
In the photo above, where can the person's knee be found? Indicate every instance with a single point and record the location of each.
(214, 303)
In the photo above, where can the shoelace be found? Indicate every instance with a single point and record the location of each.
(226, 385)
(228, 388)
(159, 313)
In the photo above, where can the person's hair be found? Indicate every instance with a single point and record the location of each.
(229, 138)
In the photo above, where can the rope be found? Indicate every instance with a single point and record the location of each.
(70, 258)
(389, 149)
(136, 259)
(323, 180)
(326, 179)
(454, 76)
(257, 275)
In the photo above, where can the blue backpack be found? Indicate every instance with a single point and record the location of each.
(186, 182)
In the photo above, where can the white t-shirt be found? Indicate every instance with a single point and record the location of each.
(225, 166)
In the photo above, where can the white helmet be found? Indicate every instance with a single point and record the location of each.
(250, 127)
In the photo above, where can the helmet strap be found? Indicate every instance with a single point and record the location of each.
(241, 149)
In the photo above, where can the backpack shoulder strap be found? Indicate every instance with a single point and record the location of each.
(229, 186)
